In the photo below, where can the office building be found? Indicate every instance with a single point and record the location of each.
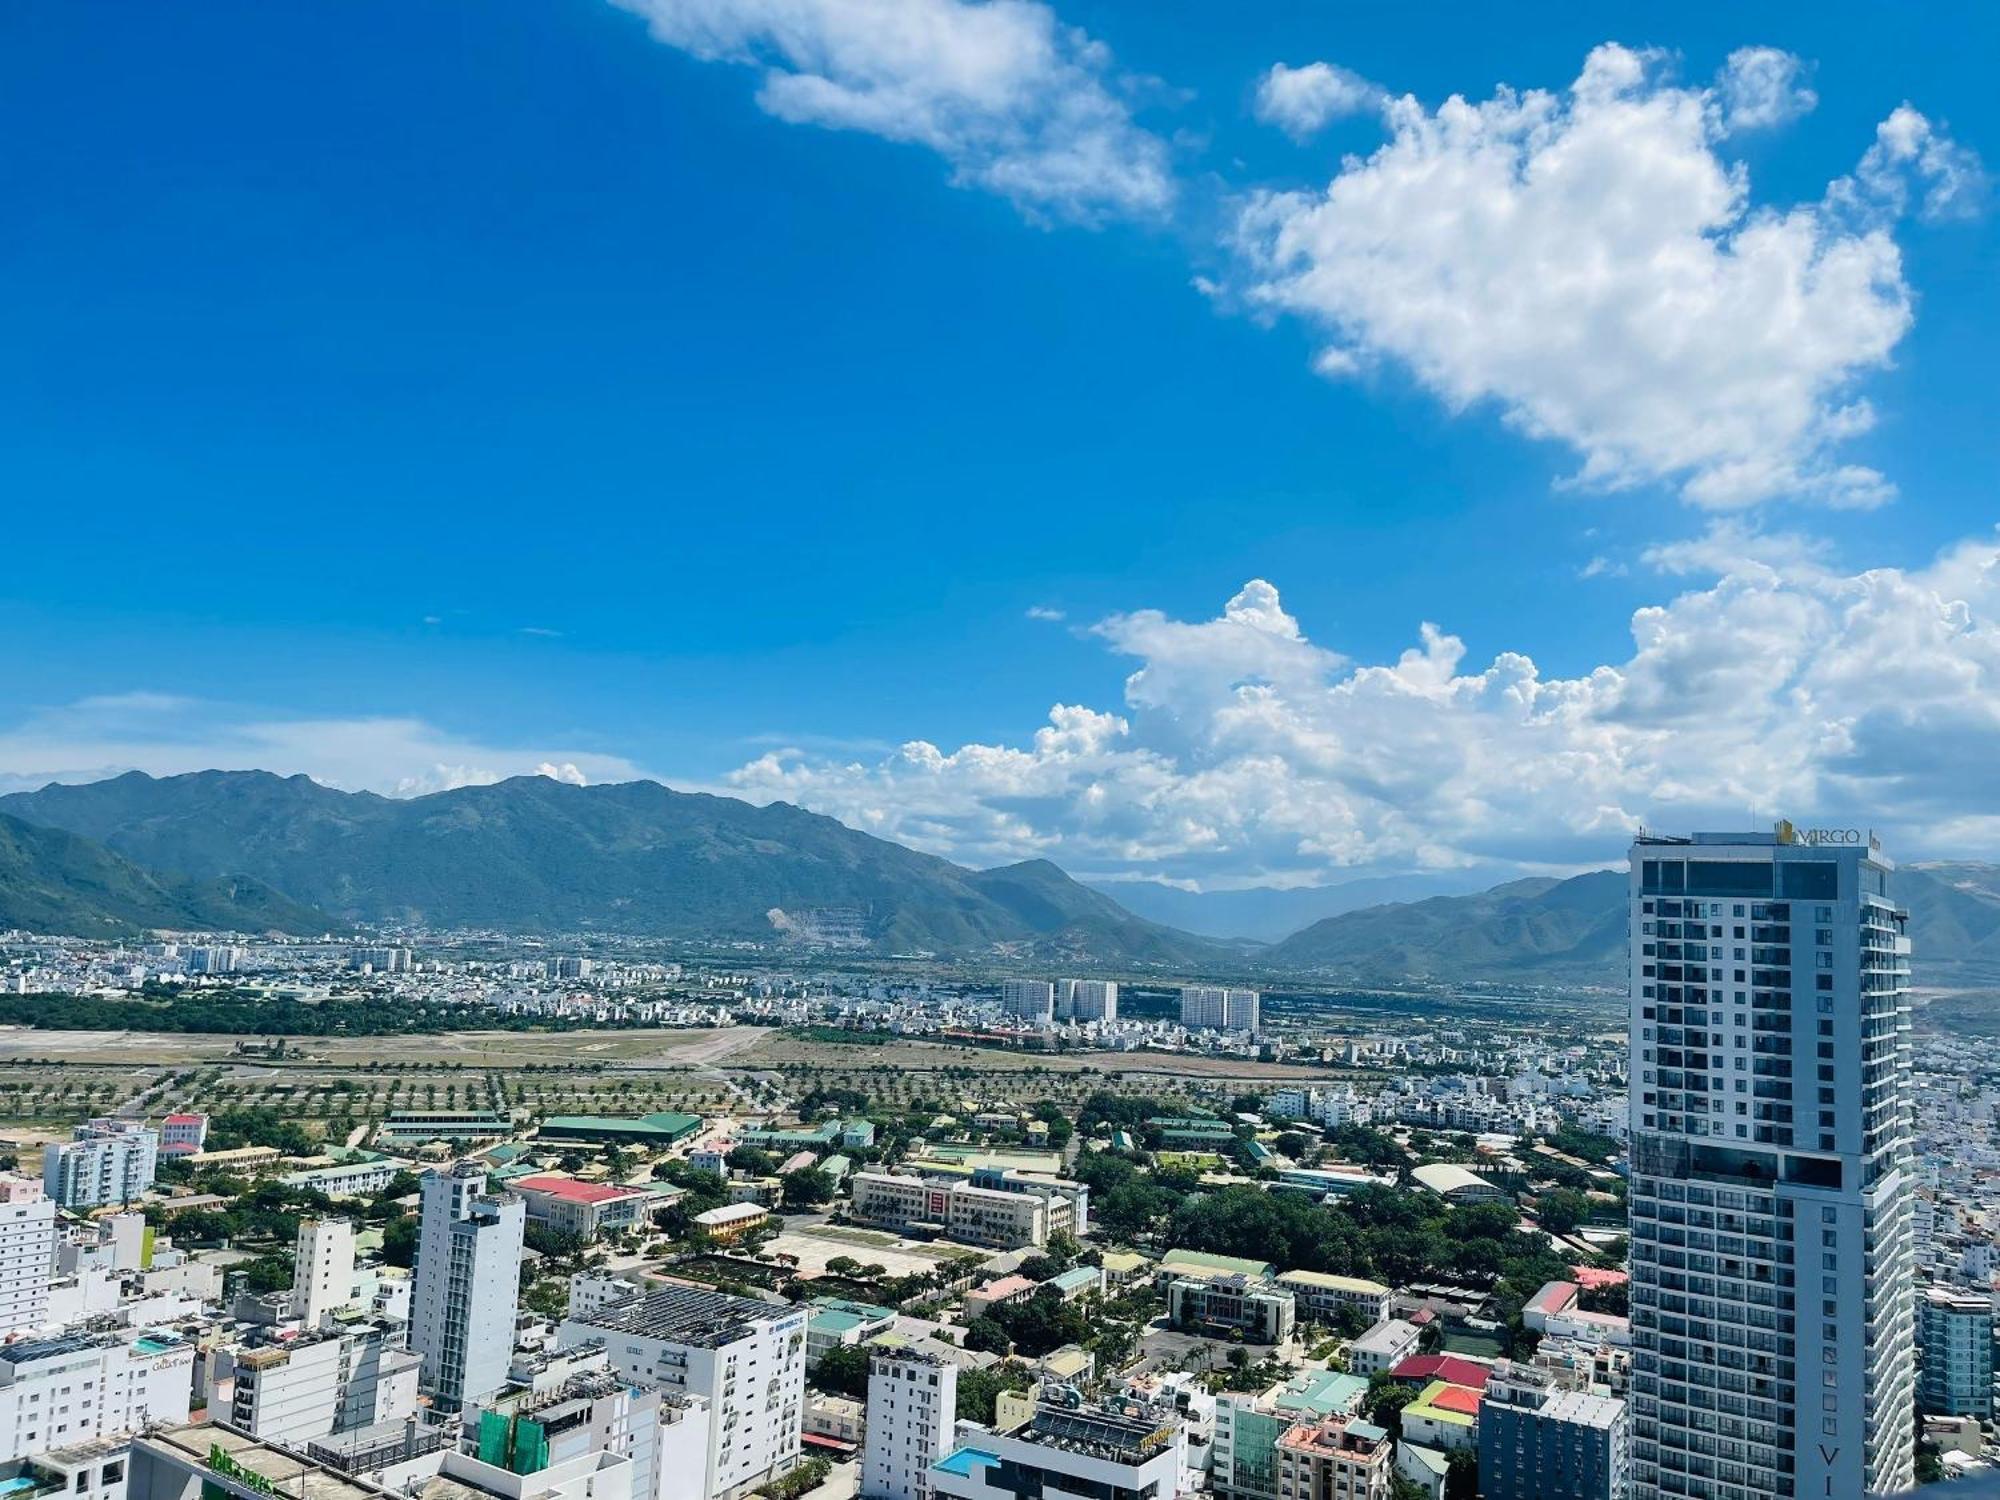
(1260, 1311)
(1031, 1000)
(1005, 1219)
(1094, 999)
(1335, 1458)
(1065, 1450)
(563, 1204)
(912, 1411)
(1955, 1332)
(464, 1293)
(1383, 1347)
(1541, 1440)
(1773, 1350)
(322, 1269)
(183, 1133)
(1326, 1299)
(56, 1393)
(109, 1161)
(380, 960)
(746, 1360)
(27, 1253)
(1207, 1007)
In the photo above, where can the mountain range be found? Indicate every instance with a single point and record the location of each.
(252, 851)
(533, 854)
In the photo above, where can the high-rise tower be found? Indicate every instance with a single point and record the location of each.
(1770, 1192)
(465, 1294)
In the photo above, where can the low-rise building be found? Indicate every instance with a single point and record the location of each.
(1383, 1347)
(563, 1204)
(1323, 1297)
(1005, 1220)
(1260, 1311)
(1336, 1458)
(1069, 1450)
(1443, 1416)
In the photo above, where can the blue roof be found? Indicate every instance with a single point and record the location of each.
(962, 1460)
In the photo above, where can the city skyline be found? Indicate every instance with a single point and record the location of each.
(428, 431)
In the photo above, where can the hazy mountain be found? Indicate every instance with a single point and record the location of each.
(1268, 913)
(533, 854)
(58, 882)
(1573, 931)
(1538, 930)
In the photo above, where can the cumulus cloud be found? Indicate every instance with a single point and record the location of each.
(1016, 102)
(165, 736)
(1588, 263)
(1302, 101)
(1777, 685)
(1759, 87)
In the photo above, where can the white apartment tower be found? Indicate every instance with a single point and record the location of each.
(1208, 1007)
(465, 1293)
(322, 1269)
(1772, 1319)
(912, 1412)
(745, 1361)
(1029, 999)
(1095, 1000)
(109, 1161)
(27, 1253)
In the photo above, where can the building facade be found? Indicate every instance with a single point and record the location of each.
(109, 1161)
(56, 1393)
(746, 1360)
(1955, 1331)
(1539, 1440)
(465, 1292)
(1032, 1000)
(322, 1269)
(975, 1215)
(1773, 1345)
(912, 1410)
(27, 1253)
(1339, 1458)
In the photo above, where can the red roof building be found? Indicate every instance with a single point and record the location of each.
(1451, 1368)
(585, 1209)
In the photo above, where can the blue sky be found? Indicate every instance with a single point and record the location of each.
(418, 392)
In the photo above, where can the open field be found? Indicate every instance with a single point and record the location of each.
(340, 1084)
(815, 1247)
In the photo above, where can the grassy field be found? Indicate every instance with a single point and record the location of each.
(51, 1078)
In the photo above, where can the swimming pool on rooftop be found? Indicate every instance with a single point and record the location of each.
(964, 1460)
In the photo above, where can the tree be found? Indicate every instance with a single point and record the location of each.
(1384, 1401)
(399, 1242)
(1562, 1211)
(985, 1336)
(267, 1273)
(1461, 1475)
(806, 1188)
(749, 1159)
(843, 1371)
(979, 1390)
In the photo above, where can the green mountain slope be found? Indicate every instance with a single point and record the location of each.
(1538, 930)
(58, 882)
(532, 854)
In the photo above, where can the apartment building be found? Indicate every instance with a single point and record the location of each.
(912, 1411)
(58, 1392)
(108, 1161)
(1336, 1458)
(27, 1253)
(465, 1292)
(1207, 1007)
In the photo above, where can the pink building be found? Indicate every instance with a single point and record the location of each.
(183, 1134)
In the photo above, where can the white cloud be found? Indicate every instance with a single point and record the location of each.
(1589, 263)
(1046, 613)
(165, 736)
(1759, 87)
(1777, 686)
(1018, 103)
(1910, 154)
(1301, 101)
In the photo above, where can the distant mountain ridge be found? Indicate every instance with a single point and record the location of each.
(536, 855)
(1574, 932)
(58, 882)
(1270, 913)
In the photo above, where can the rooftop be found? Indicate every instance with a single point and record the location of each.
(1451, 1368)
(687, 1315)
(1441, 1401)
(258, 1466)
(569, 1189)
(1183, 1261)
(1097, 1433)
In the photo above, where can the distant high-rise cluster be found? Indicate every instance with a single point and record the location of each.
(1207, 1007)
(1043, 1001)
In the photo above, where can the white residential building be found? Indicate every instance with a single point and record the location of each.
(56, 1393)
(1029, 999)
(912, 1410)
(1094, 1000)
(745, 1359)
(109, 1161)
(316, 1384)
(27, 1253)
(465, 1292)
(1772, 1320)
(593, 1409)
(1207, 1007)
(322, 1269)
(1007, 1220)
